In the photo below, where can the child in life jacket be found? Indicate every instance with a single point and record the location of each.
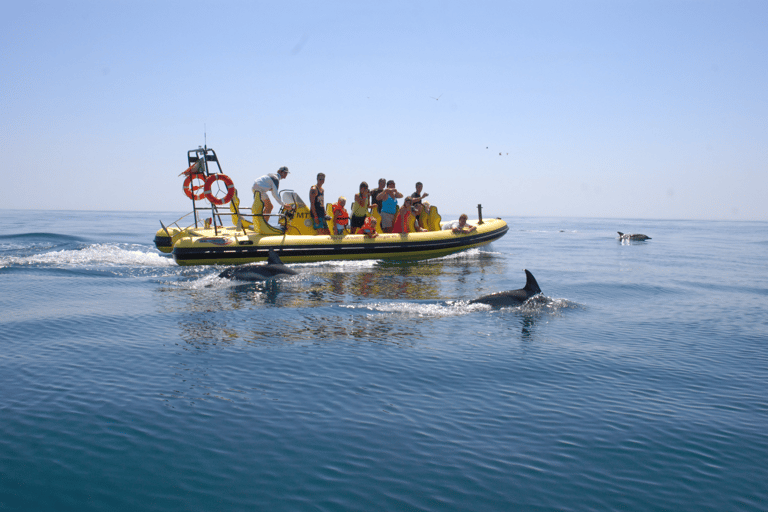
(403, 219)
(340, 216)
(368, 229)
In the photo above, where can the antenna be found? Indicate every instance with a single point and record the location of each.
(205, 136)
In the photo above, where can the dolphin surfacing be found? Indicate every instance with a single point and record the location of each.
(512, 297)
(259, 271)
(637, 237)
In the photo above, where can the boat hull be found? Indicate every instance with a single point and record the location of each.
(227, 247)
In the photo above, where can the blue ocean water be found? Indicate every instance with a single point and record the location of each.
(638, 382)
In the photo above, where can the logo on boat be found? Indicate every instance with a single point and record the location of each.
(215, 240)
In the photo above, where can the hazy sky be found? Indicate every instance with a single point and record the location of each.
(638, 109)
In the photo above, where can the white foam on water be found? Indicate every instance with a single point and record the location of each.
(535, 305)
(356, 265)
(418, 310)
(341, 265)
(470, 254)
(547, 305)
(211, 281)
(110, 255)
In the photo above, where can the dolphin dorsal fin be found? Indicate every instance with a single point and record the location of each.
(273, 258)
(531, 286)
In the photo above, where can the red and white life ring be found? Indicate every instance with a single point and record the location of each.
(230, 189)
(191, 190)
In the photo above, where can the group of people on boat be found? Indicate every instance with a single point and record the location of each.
(383, 199)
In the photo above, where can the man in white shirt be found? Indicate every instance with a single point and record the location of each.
(269, 183)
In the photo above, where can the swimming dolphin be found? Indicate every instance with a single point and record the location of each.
(637, 238)
(512, 297)
(259, 271)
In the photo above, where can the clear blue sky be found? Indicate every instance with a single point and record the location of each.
(639, 109)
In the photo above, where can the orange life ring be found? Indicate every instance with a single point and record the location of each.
(190, 190)
(230, 189)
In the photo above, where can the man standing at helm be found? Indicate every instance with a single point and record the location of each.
(269, 183)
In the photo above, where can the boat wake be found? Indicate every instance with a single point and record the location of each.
(471, 254)
(339, 265)
(99, 255)
(200, 279)
(36, 241)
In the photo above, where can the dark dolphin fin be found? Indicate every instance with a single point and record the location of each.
(273, 258)
(620, 233)
(511, 297)
(531, 286)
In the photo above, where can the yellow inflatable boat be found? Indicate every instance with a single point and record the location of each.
(250, 237)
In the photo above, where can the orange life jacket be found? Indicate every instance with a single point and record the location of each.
(341, 215)
(366, 228)
(401, 223)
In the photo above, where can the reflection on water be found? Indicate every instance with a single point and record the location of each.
(524, 317)
(378, 302)
(529, 322)
(316, 312)
(343, 282)
(318, 329)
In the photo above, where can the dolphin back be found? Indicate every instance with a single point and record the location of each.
(511, 297)
(273, 258)
(531, 286)
(259, 272)
(637, 237)
(228, 273)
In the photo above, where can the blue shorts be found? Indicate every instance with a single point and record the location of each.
(320, 224)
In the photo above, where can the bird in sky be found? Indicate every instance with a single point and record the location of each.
(436, 99)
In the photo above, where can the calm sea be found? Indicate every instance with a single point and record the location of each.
(638, 382)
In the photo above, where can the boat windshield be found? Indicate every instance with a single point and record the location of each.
(291, 197)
